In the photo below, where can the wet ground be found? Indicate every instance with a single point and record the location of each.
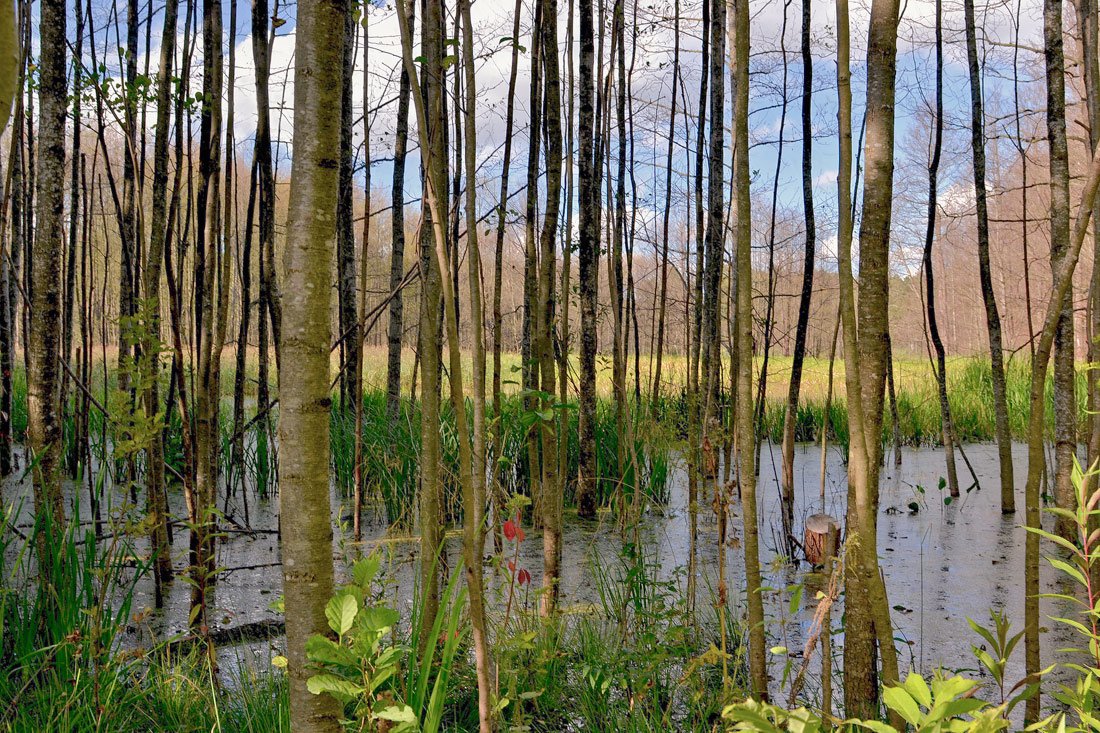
(943, 563)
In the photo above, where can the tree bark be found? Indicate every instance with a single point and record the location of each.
(808, 263)
(939, 369)
(866, 356)
(306, 399)
(588, 259)
(746, 433)
(552, 498)
(345, 236)
(397, 243)
(43, 413)
(655, 390)
(159, 233)
(1065, 406)
(992, 314)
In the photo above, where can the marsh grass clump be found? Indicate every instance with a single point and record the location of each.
(633, 661)
(391, 454)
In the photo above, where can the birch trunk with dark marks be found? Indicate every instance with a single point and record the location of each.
(129, 231)
(269, 289)
(588, 260)
(74, 225)
(715, 231)
(43, 410)
(345, 235)
(395, 334)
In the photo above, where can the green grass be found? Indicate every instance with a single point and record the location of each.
(391, 454)
(970, 393)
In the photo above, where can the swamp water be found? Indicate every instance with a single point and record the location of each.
(943, 563)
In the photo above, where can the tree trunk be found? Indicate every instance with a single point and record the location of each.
(1065, 406)
(43, 418)
(1036, 461)
(10, 61)
(74, 226)
(435, 185)
(655, 390)
(939, 369)
(551, 484)
(992, 315)
(434, 169)
(746, 433)
(397, 243)
(345, 236)
(159, 234)
(528, 357)
(588, 259)
(207, 391)
(866, 356)
(808, 256)
(306, 399)
(269, 289)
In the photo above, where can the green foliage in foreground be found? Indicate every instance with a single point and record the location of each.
(634, 661)
(63, 664)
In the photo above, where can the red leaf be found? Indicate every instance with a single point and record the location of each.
(510, 530)
(512, 566)
(524, 577)
(520, 534)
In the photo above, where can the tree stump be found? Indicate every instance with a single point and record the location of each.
(821, 538)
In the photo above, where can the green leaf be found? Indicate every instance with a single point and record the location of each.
(341, 612)
(898, 700)
(339, 688)
(951, 688)
(802, 720)
(364, 571)
(323, 650)
(380, 678)
(796, 600)
(397, 714)
(379, 618)
(982, 631)
(1068, 569)
(918, 689)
